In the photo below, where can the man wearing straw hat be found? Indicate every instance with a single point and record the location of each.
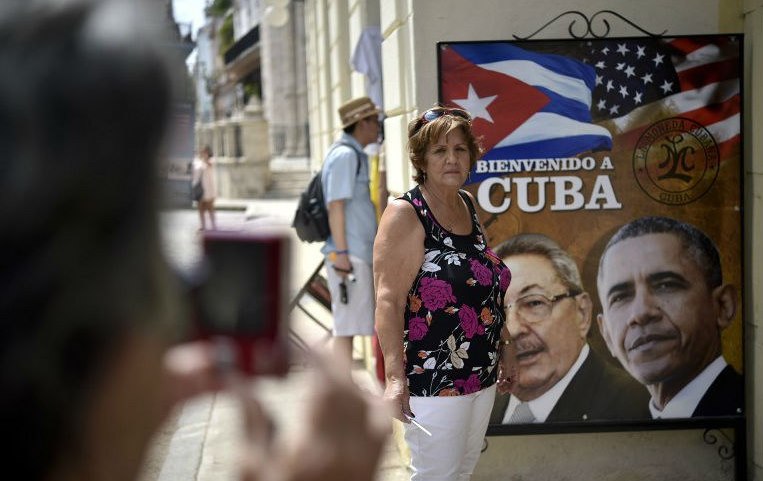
(352, 222)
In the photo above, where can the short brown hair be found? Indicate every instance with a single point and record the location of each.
(538, 244)
(420, 137)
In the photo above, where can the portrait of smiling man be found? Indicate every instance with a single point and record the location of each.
(664, 306)
(560, 378)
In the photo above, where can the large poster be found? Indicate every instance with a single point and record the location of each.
(610, 184)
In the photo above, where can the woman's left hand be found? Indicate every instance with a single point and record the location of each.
(508, 373)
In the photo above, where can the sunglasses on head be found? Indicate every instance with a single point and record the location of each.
(434, 114)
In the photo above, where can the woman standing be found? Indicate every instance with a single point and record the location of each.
(204, 172)
(439, 302)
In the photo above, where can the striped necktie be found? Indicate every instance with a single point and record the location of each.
(522, 414)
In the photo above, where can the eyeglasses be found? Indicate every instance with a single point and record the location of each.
(436, 113)
(537, 307)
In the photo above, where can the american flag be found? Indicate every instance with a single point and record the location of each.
(639, 80)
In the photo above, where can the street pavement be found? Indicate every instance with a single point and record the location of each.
(201, 440)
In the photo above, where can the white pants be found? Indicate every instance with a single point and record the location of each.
(458, 425)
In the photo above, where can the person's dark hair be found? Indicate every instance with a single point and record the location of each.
(699, 247)
(83, 104)
(350, 128)
(564, 265)
(420, 137)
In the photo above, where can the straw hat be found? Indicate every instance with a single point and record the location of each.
(355, 110)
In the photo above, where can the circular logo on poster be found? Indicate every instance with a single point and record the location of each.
(675, 161)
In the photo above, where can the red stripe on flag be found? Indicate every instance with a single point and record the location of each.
(707, 115)
(687, 45)
(514, 102)
(700, 76)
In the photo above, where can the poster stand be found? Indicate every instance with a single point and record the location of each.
(316, 287)
(727, 433)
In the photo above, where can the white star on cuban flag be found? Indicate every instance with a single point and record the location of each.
(475, 105)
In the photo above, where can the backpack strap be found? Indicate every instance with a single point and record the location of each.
(357, 154)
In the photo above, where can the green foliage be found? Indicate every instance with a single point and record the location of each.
(218, 8)
(226, 34)
(251, 87)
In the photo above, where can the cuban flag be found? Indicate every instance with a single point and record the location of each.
(524, 104)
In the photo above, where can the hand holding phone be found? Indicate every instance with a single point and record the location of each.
(240, 304)
(343, 292)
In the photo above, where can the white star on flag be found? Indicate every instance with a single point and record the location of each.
(476, 105)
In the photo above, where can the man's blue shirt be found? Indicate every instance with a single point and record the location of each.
(340, 182)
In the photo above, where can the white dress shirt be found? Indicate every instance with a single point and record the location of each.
(685, 402)
(542, 406)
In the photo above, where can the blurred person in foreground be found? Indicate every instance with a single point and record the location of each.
(88, 303)
(548, 314)
(664, 306)
(204, 172)
(352, 223)
(439, 296)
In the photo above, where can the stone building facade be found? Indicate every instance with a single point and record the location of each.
(251, 92)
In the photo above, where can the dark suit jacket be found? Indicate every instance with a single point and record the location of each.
(597, 391)
(724, 397)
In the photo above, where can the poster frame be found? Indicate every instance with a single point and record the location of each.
(736, 423)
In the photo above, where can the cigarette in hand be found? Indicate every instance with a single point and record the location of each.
(415, 423)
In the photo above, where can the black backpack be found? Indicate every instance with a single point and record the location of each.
(311, 219)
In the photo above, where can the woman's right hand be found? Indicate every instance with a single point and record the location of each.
(397, 396)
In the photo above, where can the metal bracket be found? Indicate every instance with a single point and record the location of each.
(725, 449)
(589, 25)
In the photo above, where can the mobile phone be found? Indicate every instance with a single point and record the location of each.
(240, 299)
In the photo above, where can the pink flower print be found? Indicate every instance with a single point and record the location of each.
(469, 321)
(469, 385)
(435, 293)
(482, 274)
(417, 202)
(417, 329)
(504, 279)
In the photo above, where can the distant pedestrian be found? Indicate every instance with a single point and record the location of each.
(352, 222)
(204, 172)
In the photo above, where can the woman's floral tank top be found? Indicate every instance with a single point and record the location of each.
(454, 314)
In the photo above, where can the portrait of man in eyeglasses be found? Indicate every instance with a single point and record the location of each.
(548, 314)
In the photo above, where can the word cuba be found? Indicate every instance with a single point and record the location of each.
(567, 192)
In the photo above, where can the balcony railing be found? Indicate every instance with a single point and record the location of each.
(251, 39)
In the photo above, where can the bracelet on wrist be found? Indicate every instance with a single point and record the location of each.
(343, 251)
